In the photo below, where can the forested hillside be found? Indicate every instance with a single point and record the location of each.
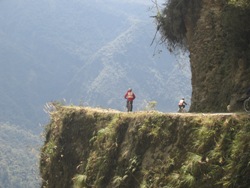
(88, 147)
(19, 155)
(87, 52)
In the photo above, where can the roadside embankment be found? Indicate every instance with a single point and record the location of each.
(86, 147)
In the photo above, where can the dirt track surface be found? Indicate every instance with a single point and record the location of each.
(109, 110)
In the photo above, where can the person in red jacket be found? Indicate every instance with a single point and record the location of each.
(130, 96)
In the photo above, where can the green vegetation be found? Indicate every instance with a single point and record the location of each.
(217, 36)
(101, 148)
(151, 105)
(240, 3)
(18, 158)
(171, 22)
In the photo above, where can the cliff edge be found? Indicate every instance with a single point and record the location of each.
(86, 147)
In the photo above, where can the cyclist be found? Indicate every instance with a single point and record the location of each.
(130, 96)
(182, 104)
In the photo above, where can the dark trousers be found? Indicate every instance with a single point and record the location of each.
(129, 106)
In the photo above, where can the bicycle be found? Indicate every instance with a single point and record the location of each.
(246, 104)
(182, 110)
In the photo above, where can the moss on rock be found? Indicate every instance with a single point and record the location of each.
(217, 35)
(87, 147)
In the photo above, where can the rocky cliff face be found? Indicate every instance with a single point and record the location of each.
(220, 57)
(110, 149)
(217, 35)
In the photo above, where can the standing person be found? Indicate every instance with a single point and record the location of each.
(182, 105)
(130, 96)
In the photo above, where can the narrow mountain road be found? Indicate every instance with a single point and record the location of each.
(109, 110)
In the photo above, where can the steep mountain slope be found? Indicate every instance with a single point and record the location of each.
(83, 51)
(18, 157)
(88, 147)
(121, 64)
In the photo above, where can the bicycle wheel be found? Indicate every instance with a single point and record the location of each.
(247, 105)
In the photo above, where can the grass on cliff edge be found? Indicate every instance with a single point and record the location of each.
(163, 150)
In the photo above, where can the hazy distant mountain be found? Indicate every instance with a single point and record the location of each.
(19, 158)
(85, 51)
